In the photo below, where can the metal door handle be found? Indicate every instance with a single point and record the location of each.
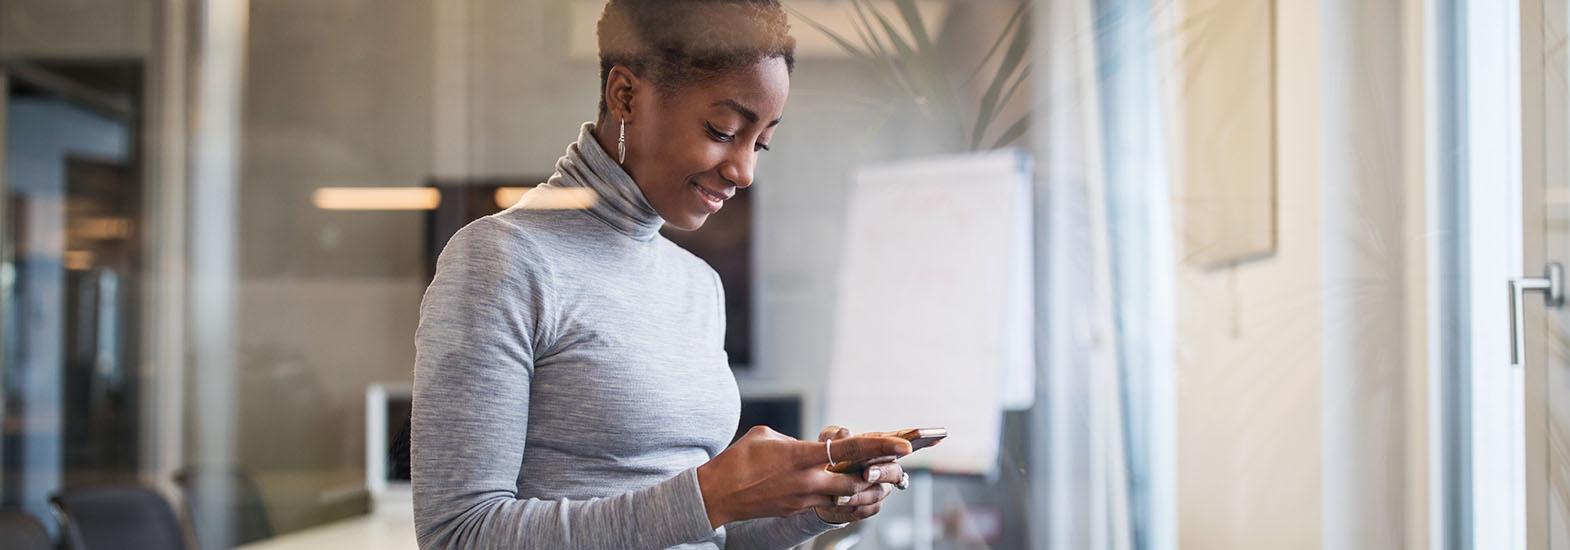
(1552, 285)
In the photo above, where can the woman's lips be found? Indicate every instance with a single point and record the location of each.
(712, 201)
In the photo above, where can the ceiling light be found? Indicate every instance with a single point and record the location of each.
(376, 198)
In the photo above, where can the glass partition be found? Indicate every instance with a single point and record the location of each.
(1162, 266)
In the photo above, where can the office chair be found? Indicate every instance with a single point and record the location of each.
(117, 517)
(247, 513)
(21, 531)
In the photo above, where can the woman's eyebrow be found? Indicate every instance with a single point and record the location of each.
(751, 115)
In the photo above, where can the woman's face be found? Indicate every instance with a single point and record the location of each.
(691, 151)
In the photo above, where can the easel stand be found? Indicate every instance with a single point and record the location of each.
(922, 498)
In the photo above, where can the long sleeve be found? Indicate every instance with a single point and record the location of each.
(480, 320)
(775, 533)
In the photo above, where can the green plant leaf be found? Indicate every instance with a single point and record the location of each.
(1023, 74)
(878, 62)
(904, 58)
(920, 71)
(930, 79)
(869, 33)
(838, 40)
(1018, 45)
(898, 40)
(1002, 36)
(866, 42)
(895, 65)
(1013, 132)
(918, 28)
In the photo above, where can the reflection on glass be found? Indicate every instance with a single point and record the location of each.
(72, 223)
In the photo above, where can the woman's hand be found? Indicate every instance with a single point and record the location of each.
(766, 474)
(881, 480)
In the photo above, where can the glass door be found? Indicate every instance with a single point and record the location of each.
(70, 277)
(1545, 124)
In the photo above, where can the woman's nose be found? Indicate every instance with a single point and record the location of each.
(738, 169)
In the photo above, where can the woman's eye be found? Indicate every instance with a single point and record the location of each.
(720, 136)
(723, 137)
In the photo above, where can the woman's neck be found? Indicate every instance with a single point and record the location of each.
(607, 136)
(621, 202)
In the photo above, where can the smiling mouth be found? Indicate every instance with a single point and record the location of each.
(711, 194)
(711, 199)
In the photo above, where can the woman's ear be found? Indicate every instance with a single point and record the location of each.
(620, 87)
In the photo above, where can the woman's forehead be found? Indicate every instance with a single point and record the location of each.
(757, 93)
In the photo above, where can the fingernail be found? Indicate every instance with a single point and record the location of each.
(873, 474)
(842, 501)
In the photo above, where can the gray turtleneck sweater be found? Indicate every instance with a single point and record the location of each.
(570, 376)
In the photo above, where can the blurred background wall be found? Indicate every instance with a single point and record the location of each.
(1293, 426)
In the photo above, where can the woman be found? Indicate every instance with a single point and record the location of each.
(571, 386)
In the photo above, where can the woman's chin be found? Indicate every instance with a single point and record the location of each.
(690, 222)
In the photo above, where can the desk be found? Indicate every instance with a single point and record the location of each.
(391, 527)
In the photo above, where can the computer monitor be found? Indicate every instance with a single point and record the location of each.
(387, 410)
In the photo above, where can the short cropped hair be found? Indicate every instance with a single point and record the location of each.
(676, 43)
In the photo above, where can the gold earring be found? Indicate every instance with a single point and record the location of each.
(621, 144)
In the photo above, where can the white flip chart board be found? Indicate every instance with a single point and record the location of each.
(934, 320)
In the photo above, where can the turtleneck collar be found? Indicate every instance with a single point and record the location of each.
(620, 202)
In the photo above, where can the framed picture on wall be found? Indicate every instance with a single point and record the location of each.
(1227, 108)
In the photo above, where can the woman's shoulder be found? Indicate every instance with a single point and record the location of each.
(497, 244)
(545, 227)
(490, 236)
(517, 231)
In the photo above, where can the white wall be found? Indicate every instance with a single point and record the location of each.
(1248, 380)
(1302, 383)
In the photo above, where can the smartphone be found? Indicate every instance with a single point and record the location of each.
(919, 438)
